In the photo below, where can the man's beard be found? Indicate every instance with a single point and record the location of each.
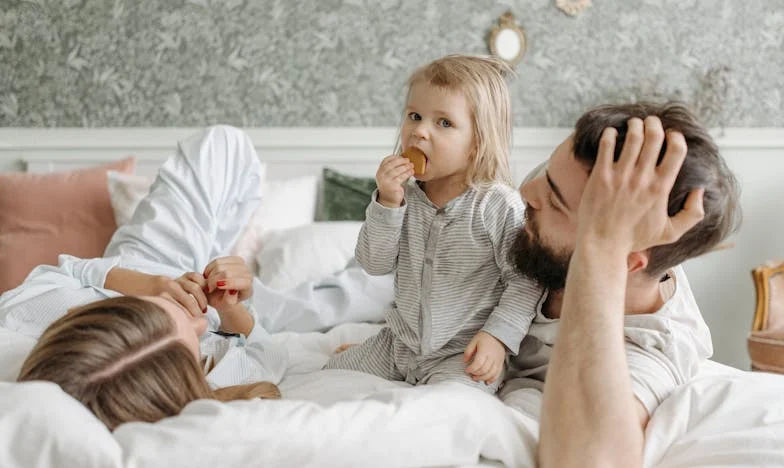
(537, 261)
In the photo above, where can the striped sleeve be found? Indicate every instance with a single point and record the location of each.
(379, 239)
(516, 309)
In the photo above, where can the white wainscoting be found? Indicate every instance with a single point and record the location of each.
(720, 280)
(288, 152)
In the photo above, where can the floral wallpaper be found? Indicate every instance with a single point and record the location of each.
(94, 63)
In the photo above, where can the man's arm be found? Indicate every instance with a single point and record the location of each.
(590, 415)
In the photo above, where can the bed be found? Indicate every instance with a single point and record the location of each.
(724, 417)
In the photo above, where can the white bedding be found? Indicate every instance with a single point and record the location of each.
(339, 418)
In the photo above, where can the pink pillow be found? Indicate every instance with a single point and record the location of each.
(45, 215)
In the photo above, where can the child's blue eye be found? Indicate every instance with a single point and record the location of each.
(445, 123)
(414, 116)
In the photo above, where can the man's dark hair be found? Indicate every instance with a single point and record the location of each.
(703, 168)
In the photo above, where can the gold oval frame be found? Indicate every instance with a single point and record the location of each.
(506, 23)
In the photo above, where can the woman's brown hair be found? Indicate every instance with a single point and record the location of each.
(122, 359)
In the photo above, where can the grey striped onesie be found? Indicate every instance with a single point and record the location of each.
(453, 278)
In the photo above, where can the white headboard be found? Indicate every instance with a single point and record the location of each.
(288, 152)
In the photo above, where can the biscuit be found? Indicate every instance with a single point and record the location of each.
(416, 156)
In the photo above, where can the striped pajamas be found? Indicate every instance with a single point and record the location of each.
(453, 278)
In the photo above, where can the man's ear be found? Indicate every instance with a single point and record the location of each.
(637, 261)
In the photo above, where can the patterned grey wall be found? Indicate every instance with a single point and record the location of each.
(92, 63)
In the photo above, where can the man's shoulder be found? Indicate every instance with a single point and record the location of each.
(676, 327)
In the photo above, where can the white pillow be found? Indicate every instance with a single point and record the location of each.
(43, 426)
(125, 193)
(284, 204)
(14, 348)
(289, 258)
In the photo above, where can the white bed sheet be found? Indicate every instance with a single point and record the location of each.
(724, 417)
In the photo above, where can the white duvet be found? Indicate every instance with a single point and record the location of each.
(339, 418)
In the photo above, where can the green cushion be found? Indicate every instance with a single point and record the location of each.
(344, 197)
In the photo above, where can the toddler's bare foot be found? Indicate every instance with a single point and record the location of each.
(344, 347)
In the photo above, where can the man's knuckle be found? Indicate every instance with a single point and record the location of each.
(677, 145)
(656, 187)
(634, 137)
(654, 132)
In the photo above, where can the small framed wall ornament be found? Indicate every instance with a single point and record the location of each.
(507, 40)
(572, 7)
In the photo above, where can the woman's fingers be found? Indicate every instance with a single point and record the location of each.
(225, 281)
(229, 273)
(222, 263)
(185, 299)
(230, 297)
(196, 291)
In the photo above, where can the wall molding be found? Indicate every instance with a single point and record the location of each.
(31, 139)
(288, 151)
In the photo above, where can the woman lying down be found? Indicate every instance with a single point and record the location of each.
(132, 344)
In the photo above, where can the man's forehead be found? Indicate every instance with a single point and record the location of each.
(567, 173)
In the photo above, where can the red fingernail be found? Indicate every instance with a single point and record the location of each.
(232, 291)
(204, 310)
(221, 283)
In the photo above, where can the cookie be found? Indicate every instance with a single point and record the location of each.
(416, 156)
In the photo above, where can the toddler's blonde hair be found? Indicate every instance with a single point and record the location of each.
(482, 81)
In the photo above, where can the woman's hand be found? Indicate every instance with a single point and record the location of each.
(392, 173)
(187, 290)
(228, 281)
